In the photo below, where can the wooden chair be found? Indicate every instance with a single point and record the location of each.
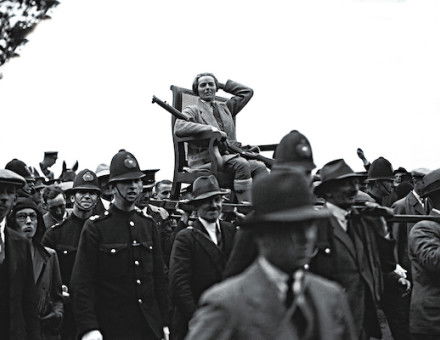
(182, 173)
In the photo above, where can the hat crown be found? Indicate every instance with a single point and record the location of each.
(102, 170)
(294, 149)
(381, 168)
(334, 170)
(124, 166)
(20, 168)
(431, 182)
(8, 176)
(86, 179)
(205, 185)
(281, 190)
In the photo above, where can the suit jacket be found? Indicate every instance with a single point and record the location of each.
(247, 307)
(408, 205)
(196, 264)
(201, 119)
(50, 298)
(24, 323)
(358, 265)
(424, 253)
(118, 280)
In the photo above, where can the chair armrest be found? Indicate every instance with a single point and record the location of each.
(267, 147)
(207, 135)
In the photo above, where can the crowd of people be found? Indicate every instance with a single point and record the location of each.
(319, 255)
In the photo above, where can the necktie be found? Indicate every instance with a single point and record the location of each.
(217, 117)
(289, 294)
(2, 250)
(218, 233)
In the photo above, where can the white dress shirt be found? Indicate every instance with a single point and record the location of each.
(2, 229)
(211, 229)
(340, 215)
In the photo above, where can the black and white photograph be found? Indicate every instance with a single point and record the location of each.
(219, 170)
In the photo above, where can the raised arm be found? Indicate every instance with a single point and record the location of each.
(241, 96)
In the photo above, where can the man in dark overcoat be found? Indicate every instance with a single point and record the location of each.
(275, 298)
(64, 238)
(199, 252)
(18, 296)
(118, 282)
(424, 253)
(354, 249)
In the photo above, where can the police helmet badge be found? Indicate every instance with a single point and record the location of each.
(303, 150)
(88, 177)
(130, 163)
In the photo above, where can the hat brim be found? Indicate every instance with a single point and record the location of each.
(17, 183)
(308, 166)
(209, 194)
(380, 179)
(320, 188)
(127, 177)
(85, 187)
(284, 216)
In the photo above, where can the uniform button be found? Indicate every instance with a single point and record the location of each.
(132, 223)
(151, 247)
(113, 251)
(136, 263)
(134, 242)
(140, 301)
(106, 213)
(306, 266)
(138, 282)
(327, 250)
(65, 252)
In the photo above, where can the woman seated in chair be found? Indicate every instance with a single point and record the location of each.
(211, 115)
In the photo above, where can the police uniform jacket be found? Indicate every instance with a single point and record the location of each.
(247, 307)
(196, 264)
(357, 261)
(424, 253)
(118, 281)
(201, 119)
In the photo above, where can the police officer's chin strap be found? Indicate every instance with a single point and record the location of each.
(385, 188)
(80, 207)
(125, 199)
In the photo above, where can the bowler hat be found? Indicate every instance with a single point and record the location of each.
(20, 168)
(124, 167)
(294, 150)
(380, 169)
(431, 182)
(10, 177)
(335, 171)
(206, 186)
(86, 180)
(150, 178)
(283, 196)
(102, 170)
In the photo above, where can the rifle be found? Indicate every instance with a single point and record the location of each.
(229, 146)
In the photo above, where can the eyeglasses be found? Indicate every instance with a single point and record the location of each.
(23, 217)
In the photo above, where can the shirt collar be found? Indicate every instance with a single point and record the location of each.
(276, 276)
(208, 225)
(2, 229)
(336, 211)
(417, 196)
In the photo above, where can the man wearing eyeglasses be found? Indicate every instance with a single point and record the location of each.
(199, 253)
(64, 237)
(18, 296)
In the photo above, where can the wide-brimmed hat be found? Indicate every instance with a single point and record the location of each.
(20, 168)
(124, 167)
(431, 182)
(335, 171)
(205, 187)
(283, 196)
(294, 150)
(10, 177)
(380, 169)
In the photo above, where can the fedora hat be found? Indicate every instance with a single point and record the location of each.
(431, 182)
(380, 169)
(283, 196)
(204, 187)
(335, 171)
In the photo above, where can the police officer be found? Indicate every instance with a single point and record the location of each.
(118, 282)
(64, 237)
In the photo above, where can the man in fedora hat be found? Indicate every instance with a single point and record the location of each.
(20, 168)
(293, 151)
(63, 237)
(275, 298)
(18, 296)
(353, 249)
(199, 252)
(424, 253)
(118, 282)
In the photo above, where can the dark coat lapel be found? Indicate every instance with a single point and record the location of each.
(342, 236)
(203, 239)
(12, 245)
(40, 262)
(415, 204)
(228, 233)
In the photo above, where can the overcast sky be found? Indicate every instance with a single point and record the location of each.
(345, 73)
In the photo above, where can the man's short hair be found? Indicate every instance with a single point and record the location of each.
(195, 85)
(51, 192)
(158, 184)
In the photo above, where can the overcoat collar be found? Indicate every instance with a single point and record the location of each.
(342, 236)
(414, 202)
(41, 256)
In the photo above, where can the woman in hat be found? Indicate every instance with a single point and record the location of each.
(26, 219)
